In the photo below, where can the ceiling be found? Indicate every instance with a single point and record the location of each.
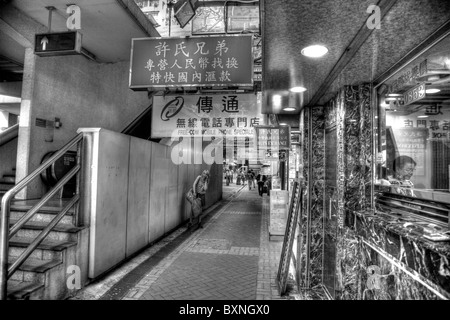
(356, 53)
(102, 36)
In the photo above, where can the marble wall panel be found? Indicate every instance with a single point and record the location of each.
(302, 239)
(358, 149)
(316, 196)
(348, 274)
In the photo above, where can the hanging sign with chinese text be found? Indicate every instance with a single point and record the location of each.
(408, 77)
(273, 142)
(206, 115)
(191, 62)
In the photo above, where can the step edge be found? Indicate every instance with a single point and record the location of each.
(42, 266)
(58, 228)
(62, 245)
(23, 289)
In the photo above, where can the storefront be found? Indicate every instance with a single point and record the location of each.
(375, 215)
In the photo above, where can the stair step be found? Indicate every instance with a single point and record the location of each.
(68, 219)
(36, 265)
(8, 179)
(50, 207)
(22, 289)
(44, 245)
(38, 225)
(6, 186)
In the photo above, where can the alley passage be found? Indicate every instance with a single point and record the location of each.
(231, 258)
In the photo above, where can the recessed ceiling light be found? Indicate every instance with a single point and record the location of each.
(433, 90)
(315, 51)
(289, 109)
(283, 124)
(297, 89)
(422, 117)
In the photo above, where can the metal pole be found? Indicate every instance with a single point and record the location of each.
(4, 229)
(50, 11)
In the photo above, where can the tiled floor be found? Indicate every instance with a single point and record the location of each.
(231, 258)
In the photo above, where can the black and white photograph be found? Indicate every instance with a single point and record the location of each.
(225, 158)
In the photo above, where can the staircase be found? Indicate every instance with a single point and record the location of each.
(43, 275)
(7, 182)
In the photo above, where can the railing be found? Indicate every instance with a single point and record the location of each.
(428, 211)
(9, 134)
(6, 233)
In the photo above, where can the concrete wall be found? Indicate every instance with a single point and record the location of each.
(78, 91)
(137, 195)
(8, 155)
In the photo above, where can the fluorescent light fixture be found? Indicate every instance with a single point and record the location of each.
(315, 51)
(422, 117)
(432, 91)
(297, 89)
(283, 124)
(289, 109)
(394, 95)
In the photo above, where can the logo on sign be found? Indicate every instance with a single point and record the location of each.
(172, 108)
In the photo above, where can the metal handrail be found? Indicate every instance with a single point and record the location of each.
(21, 259)
(6, 208)
(9, 134)
(25, 218)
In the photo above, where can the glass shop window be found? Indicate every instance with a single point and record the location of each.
(413, 121)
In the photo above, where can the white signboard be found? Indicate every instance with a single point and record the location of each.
(232, 115)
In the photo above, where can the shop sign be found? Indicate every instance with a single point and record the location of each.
(415, 94)
(273, 142)
(191, 62)
(54, 44)
(408, 77)
(234, 115)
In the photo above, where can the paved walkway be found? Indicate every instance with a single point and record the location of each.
(231, 258)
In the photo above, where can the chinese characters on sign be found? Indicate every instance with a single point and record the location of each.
(430, 118)
(202, 115)
(194, 61)
(408, 77)
(272, 142)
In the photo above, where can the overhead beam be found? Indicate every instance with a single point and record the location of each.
(435, 37)
(356, 43)
(136, 14)
(14, 34)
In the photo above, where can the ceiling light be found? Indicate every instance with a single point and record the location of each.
(394, 95)
(432, 90)
(315, 51)
(283, 124)
(422, 117)
(289, 109)
(276, 100)
(297, 89)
